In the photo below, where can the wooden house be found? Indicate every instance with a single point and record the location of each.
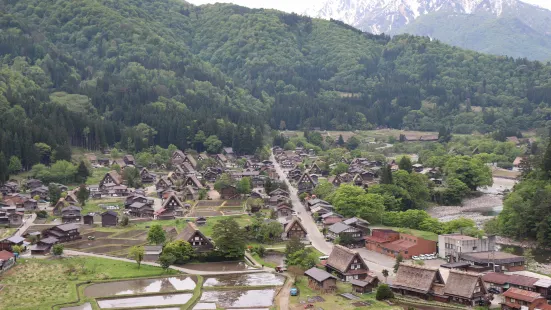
(71, 214)
(366, 285)
(229, 192)
(284, 210)
(190, 193)
(172, 207)
(42, 192)
(152, 252)
(193, 181)
(163, 183)
(465, 288)
(109, 218)
(516, 299)
(200, 221)
(335, 180)
(358, 223)
(111, 177)
(8, 243)
(140, 209)
(189, 159)
(347, 264)
(146, 176)
(63, 232)
(44, 245)
(7, 260)
(61, 203)
(279, 192)
(419, 281)
(306, 184)
(352, 235)
(319, 279)
(129, 160)
(294, 229)
(196, 238)
(178, 157)
(330, 218)
(315, 169)
(33, 183)
(88, 219)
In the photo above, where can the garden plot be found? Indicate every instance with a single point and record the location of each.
(208, 204)
(133, 234)
(101, 242)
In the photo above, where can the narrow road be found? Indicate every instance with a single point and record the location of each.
(375, 261)
(315, 236)
(23, 228)
(184, 270)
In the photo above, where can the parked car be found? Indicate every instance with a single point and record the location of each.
(494, 290)
(294, 291)
(415, 258)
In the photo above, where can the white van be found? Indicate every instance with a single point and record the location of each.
(324, 257)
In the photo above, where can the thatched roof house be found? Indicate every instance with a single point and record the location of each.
(465, 287)
(419, 281)
(347, 264)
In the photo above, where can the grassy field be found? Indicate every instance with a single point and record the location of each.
(333, 301)
(41, 283)
(6, 232)
(418, 233)
(97, 175)
(92, 205)
(503, 173)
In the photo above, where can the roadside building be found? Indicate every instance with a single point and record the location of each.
(451, 246)
(516, 299)
(466, 288)
(366, 285)
(319, 279)
(347, 264)
(419, 281)
(494, 260)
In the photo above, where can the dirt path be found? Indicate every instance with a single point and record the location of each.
(282, 299)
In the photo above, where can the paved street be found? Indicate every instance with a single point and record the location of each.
(29, 220)
(375, 261)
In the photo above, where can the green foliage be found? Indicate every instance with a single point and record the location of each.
(137, 253)
(339, 168)
(82, 194)
(384, 292)
(82, 172)
(471, 171)
(305, 259)
(42, 214)
(294, 245)
(181, 250)
(166, 260)
(352, 201)
(14, 165)
(132, 177)
(57, 249)
(405, 164)
(156, 235)
(223, 181)
(386, 175)
(268, 232)
(258, 249)
(124, 221)
(213, 145)
(54, 192)
(324, 189)
(229, 238)
(244, 186)
(398, 260)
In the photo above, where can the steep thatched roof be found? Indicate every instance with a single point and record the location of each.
(417, 278)
(295, 221)
(463, 284)
(189, 232)
(341, 257)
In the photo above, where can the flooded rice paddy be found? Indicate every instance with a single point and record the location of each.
(140, 286)
(85, 244)
(240, 298)
(274, 257)
(204, 306)
(144, 301)
(250, 279)
(220, 266)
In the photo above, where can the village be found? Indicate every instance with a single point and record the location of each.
(275, 202)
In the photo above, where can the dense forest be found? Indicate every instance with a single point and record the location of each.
(142, 73)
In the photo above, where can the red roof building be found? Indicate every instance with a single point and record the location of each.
(392, 243)
(516, 298)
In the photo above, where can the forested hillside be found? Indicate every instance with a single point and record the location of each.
(93, 73)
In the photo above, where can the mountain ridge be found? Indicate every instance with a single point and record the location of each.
(403, 16)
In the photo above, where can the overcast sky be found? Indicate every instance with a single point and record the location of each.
(300, 6)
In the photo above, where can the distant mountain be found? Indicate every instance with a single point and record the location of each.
(502, 27)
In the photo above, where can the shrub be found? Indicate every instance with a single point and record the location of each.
(57, 249)
(384, 292)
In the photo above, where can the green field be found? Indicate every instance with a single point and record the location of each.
(418, 233)
(42, 283)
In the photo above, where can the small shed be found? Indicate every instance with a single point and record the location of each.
(152, 252)
(88, 219)
(364, 286)
(319, 279)
(200, 221)
(109, 218)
